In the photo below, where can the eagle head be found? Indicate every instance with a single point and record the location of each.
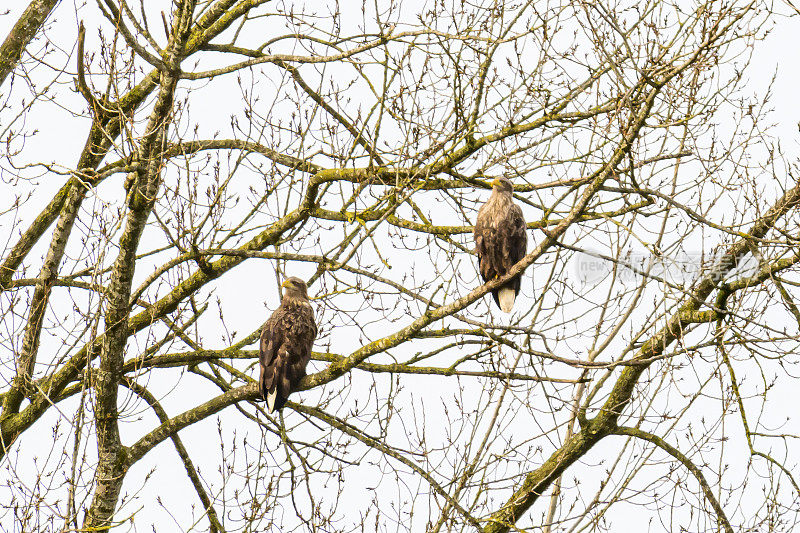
(295, 288)
(502, 185)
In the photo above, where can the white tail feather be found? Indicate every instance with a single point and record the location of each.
(506, 298)
(271, 397)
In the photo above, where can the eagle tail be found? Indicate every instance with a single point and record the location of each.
(505, 298)
(271, 397)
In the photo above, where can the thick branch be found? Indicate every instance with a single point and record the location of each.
(536, 482)
(22, 33)
(107, 127)
(112, 456)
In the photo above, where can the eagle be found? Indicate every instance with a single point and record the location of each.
(501, 241)
(286, 342)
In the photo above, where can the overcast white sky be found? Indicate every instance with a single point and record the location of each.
(778, 56)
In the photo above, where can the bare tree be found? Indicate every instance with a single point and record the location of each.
(166, 165)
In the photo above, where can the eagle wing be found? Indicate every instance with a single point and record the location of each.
(500, 238)
(485, 243)
(285, 350)
(271, 341)
(515, 238)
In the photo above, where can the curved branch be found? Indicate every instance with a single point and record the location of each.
(187, 418)
(194, 477)
(344, 427)
(696, 472)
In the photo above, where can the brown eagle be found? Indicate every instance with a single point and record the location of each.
(286, 342)
(501, 241)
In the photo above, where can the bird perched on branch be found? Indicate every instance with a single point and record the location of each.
(286, 342)
(501, 241)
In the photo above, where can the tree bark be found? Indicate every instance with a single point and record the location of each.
(22, 33)
(142, 190)
(103, 132)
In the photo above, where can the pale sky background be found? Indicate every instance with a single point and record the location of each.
(778, 56)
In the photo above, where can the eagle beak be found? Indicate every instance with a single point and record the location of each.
(286, 284)
(496, 182)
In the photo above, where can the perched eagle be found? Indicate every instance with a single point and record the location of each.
(286, 342)
(501, 241)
